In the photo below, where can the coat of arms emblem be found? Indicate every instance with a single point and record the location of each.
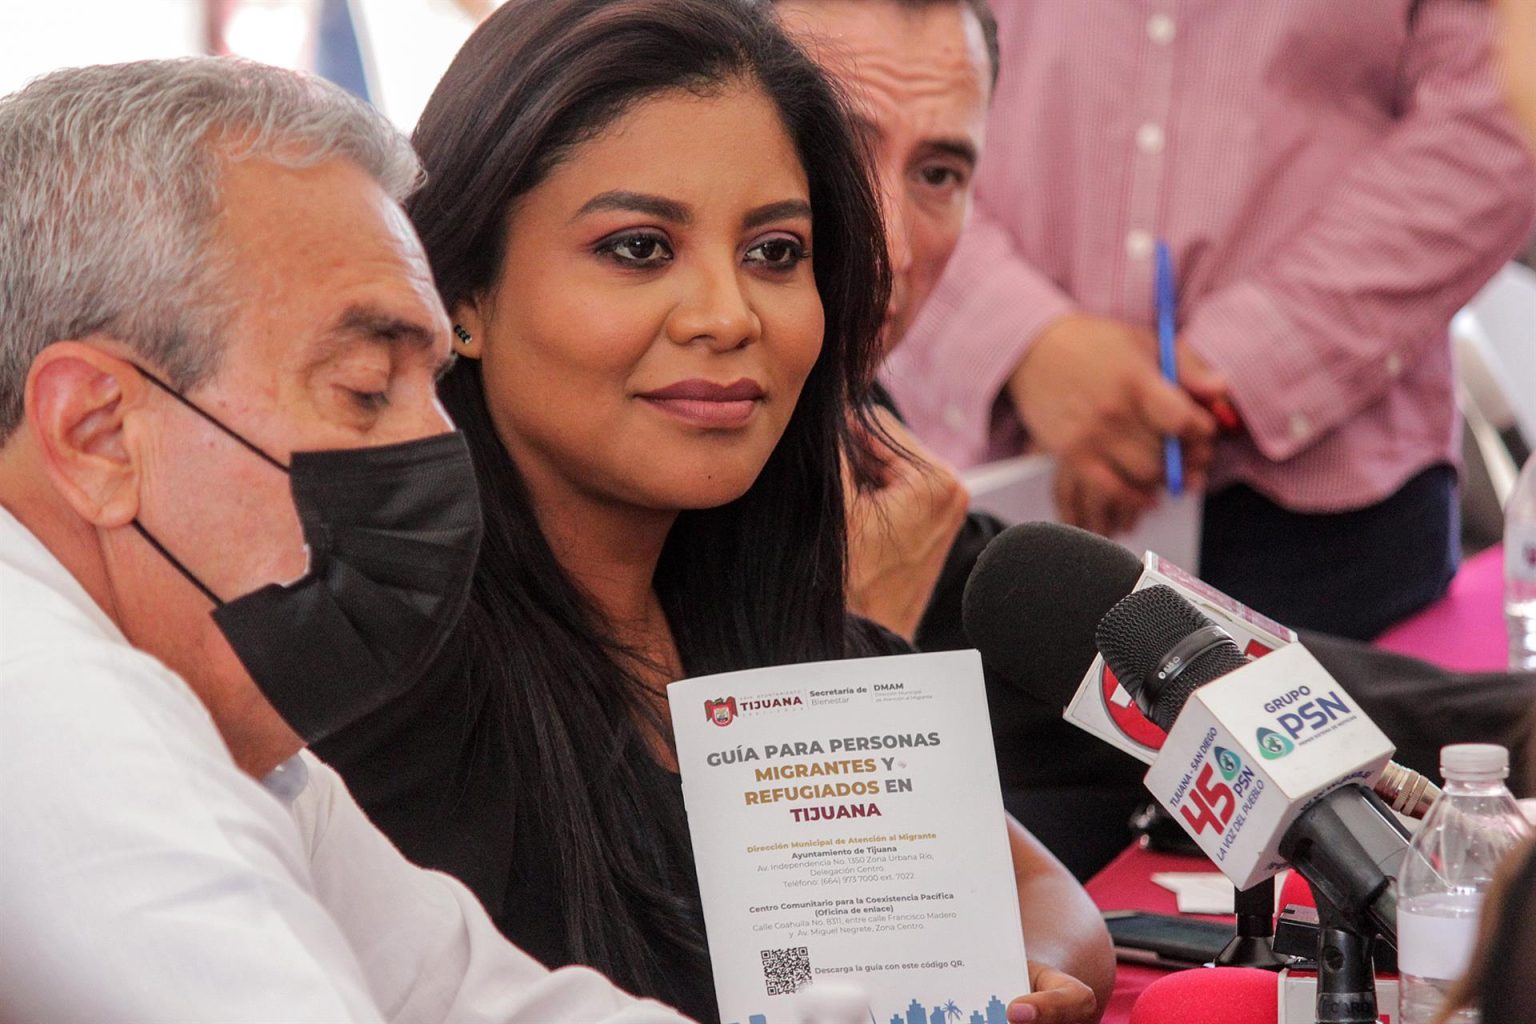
(721, 711)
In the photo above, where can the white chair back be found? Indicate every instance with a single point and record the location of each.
(1500, 322)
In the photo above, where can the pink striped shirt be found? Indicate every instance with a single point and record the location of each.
(1335, 183)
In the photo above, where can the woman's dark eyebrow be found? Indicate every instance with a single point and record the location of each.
(784, 209)
(637, 202)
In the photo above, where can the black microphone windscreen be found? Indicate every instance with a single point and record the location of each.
(1033, 600)
(1137, 634)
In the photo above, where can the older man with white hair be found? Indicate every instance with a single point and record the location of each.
(232, 520)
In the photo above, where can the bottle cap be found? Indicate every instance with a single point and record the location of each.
(1475, 761)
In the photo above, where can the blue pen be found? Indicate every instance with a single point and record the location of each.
(1173, 451)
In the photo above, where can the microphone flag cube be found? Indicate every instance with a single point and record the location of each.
(1101, 706)
(1254, 749)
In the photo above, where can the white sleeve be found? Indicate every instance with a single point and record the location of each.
(429, 949)
(143, 877)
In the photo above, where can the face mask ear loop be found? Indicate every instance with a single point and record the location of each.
(211, 418)
(176, 564)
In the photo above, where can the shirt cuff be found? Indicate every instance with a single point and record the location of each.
(1287, 393)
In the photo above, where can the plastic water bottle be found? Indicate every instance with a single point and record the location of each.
(1446, 873)
(1520, 569)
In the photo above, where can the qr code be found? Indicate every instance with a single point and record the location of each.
(785, 970)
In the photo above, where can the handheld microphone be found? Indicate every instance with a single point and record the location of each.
(1265, 759)
(1033, 599)
(1032, 605)
(1339, 836)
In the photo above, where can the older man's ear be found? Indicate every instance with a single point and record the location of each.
(79, 402)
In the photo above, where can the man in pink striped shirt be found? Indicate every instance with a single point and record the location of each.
(1335, 180)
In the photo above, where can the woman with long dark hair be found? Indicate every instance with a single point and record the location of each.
(654, 230)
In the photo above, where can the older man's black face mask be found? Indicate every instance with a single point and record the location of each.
(392, 533)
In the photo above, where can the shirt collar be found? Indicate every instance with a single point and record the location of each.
(22, 550)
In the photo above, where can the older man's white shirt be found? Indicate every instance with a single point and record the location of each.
(144, 877)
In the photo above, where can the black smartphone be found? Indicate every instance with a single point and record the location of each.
(1166, 940)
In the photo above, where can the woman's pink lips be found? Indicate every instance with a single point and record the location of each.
(704, 403)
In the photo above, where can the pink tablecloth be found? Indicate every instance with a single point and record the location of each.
(1465, 629)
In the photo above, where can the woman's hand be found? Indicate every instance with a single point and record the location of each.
(1061, 927)
(1055, 998)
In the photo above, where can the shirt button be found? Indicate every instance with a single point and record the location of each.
(1394, 365)
(1301, 427)
(954, 416)
(1149, 138)
(1160, 29)
(1138, 244)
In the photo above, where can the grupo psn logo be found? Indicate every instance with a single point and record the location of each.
(1272, 745)
(1300, 713)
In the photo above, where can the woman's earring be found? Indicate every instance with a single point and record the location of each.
(463, 335)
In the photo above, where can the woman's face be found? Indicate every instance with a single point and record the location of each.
(656, 315)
